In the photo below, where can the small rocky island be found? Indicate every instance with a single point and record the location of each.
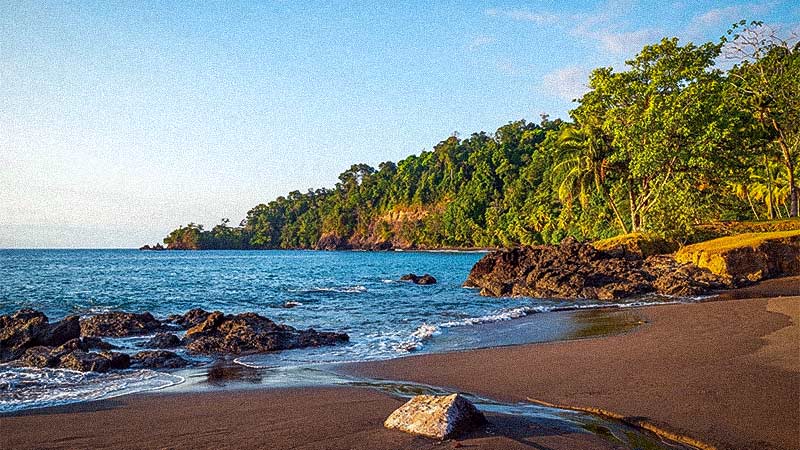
(27, 338)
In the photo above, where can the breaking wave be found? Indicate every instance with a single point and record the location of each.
(25, 388)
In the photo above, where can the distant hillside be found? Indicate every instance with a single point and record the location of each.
(661, 147)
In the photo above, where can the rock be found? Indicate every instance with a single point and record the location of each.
(91, 342)
(249, 332)
(438, 417)
(636, 245)
(750, 256)
(93, 362)
(162, 340)
(290, 304)
(332, 242)
(61, 332)
(158, 359)
(20, 331)
(119, 324)
(189, 319)
(575, 270)
(414, 278)
(157, 247)
(39, 356)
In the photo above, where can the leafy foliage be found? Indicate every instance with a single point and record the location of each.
(660, 147)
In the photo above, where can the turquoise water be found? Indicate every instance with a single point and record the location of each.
(353, 292)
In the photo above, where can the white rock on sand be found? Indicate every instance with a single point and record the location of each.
(436, 416)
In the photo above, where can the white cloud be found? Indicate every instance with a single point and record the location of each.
(718, 19)
(595, 27)
(521, 15)
(481, 41)
(568, 83)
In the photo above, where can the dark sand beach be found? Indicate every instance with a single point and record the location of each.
(725, 372)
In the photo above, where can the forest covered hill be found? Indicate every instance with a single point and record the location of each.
(662, 146)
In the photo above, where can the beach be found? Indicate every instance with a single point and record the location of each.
(724, 372)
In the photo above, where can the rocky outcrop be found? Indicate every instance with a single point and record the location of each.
(158, 359)
(28, 328)
(249, 332)
(162, 340)
(576, 270)
(332, 242)
(27, 339)
(750, 256)
(416, 279)
(436, 416)
(119, 324)
(157, 247)
(73, 355)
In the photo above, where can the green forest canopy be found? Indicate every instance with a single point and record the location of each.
(666, 144)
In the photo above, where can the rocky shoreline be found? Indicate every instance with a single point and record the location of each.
(574, 270)
(28, 339)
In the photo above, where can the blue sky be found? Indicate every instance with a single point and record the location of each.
(123, 120)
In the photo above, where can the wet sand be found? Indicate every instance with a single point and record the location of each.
(725, 372)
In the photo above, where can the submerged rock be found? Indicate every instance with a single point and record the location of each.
(158, 359)
(250, 332)
(576, 270)
(436, 416)
(119, 324)
(416, 279)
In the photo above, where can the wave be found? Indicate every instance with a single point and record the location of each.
(24, 388)
(427, 331)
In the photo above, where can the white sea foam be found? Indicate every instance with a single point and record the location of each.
(25, 388)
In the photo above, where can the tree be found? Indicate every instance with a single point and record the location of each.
(767, 81)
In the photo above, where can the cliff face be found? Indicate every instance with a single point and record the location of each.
(751, 256)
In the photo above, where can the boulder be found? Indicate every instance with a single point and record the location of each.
(436, 416)
(749, 256)
(119, 324)
(91, 342)
(577, 270)
(94, 362)
(190, 318)
(39, 356)
(62, 331)
(416, 279)
(162, 340)
(158, 359)
(250, 333)
(20, 331)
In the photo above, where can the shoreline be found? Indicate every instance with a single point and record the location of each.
(757, 361)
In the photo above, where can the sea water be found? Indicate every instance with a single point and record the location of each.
(358, 293)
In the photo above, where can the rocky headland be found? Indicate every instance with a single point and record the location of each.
(574, 270)
(27, 338)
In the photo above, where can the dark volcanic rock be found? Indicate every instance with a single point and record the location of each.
(19, 331)
(157, 247)
(158, 359)
(333, 242)
(94, 362)
(162, 340)
(249, 332)
(91, 342)
(189, 319)
(39, 356)
(28, 328)
(575, 270)
(119, 324)
(416, 279)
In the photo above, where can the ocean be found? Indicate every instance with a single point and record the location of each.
(358, 293)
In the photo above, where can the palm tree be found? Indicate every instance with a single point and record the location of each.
(583, 167)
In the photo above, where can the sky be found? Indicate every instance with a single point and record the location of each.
(120, 121)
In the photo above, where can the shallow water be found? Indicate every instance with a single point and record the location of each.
(353, 292)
